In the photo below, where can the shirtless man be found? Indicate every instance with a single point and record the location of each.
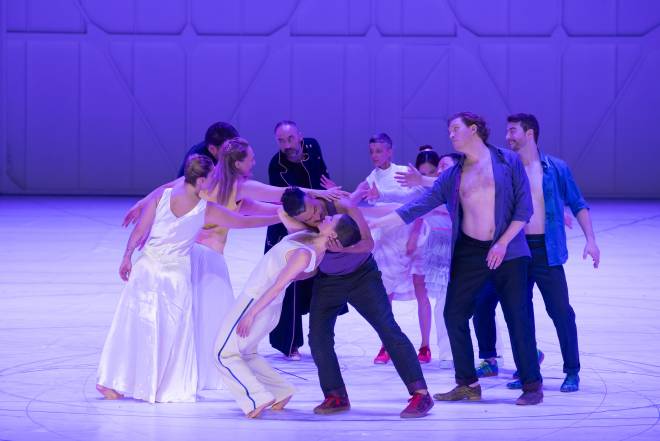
(488, 198)
(350, 275)
(552, 187)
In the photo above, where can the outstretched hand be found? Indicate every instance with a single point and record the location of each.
(360, 192)
(327, 183)
(372, 194)
(331, 194)
(133, 214)
(409, 178)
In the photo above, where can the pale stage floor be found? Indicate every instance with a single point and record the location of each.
(59, 286)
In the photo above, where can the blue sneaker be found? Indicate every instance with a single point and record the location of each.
(571, 383)
(515, 375)
(487, 368)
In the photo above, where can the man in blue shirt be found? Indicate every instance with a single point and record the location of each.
(552, 187)
(488, 198)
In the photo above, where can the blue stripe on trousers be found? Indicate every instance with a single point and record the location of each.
(247, 392)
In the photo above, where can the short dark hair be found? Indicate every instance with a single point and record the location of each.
(527, 121)
(348, 232)
(196, 166)
(427, 154)
(470, 119)
(285, 122)
(218, 133)
(293, 201)
(381, 138)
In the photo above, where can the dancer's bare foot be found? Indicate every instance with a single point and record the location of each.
(108, 394)
(280, 404)
(256, 412)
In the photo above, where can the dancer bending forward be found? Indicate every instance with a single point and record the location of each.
(254, 384)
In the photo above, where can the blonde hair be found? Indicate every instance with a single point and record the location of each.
(197, 166)
(225, 174)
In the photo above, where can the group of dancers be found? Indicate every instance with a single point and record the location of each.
(471, 228)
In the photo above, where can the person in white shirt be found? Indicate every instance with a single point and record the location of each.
(390, 244)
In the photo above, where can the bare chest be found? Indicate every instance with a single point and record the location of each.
(477, 184)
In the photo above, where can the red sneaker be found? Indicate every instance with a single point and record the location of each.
(333, 404)
(424, 355)
(418, 406)
(383, 357)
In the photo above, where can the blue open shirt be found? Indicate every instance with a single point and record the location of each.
(513, 200)
(559, 189)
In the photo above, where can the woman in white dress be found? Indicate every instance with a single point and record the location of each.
(432, 257)
(149, 353)
(253, 383)
(230, 186)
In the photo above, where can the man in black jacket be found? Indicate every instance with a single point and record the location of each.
(299, 163)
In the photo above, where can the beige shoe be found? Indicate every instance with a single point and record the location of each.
(460, 393)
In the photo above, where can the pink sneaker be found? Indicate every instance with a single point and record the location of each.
(424, 355)
(383, 357)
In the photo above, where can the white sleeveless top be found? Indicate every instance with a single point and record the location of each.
(271, 264)
(172, 236)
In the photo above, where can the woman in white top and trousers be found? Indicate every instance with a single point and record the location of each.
(253, 383)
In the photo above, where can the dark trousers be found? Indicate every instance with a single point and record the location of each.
(551, 281)
(484, 321)
(469, 274)
(364, 290)
(288, 333)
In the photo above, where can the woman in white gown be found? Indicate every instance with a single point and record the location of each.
(230, 186)
(149, 353)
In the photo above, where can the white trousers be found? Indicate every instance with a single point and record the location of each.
(246, 374)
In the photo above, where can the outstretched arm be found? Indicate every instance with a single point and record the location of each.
(268, 193)
(296, 263)
(217, 214)
(135, 211)
(413, 178)
(137, 236)
(252, 207)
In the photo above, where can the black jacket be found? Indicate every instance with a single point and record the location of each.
(284, 173)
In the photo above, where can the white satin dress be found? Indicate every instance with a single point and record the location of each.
(149, 353)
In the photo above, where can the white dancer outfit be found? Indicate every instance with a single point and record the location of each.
(213, 295)
(390, 244)
(432, 261)
(246, 374)
(149, 353)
